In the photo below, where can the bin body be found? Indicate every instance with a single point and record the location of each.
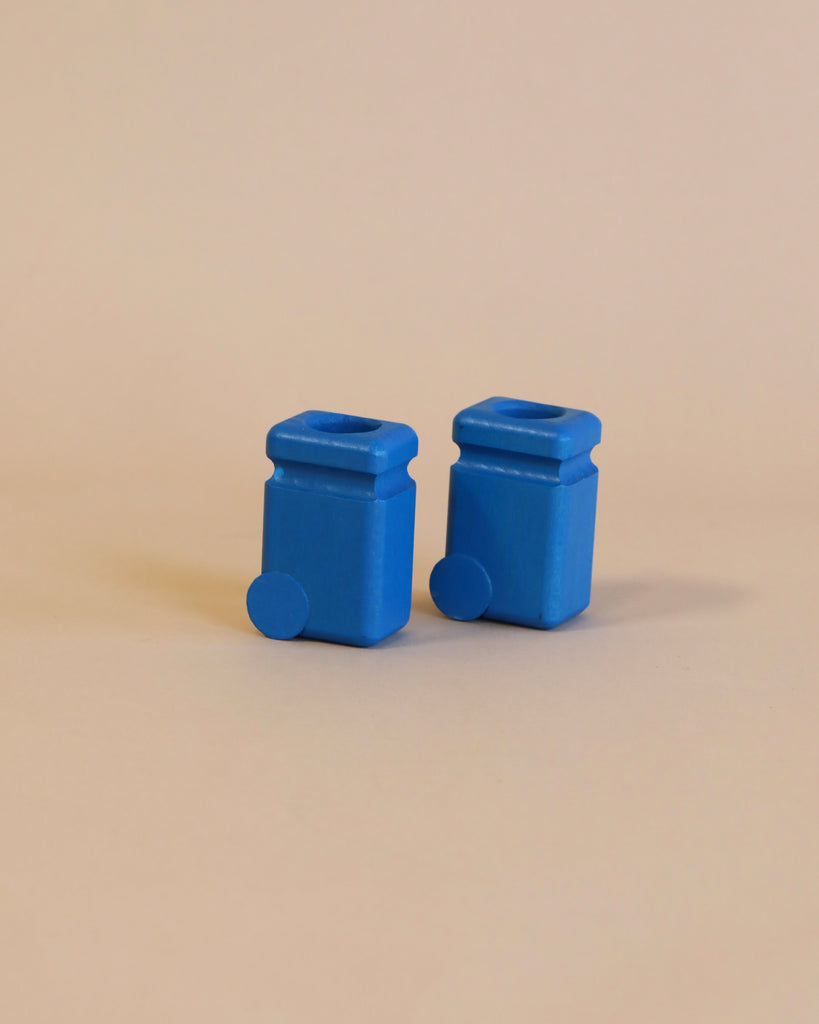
(522, 506)
(339, 518)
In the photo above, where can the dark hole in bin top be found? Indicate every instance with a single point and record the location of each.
(338, 423)
(528, 410)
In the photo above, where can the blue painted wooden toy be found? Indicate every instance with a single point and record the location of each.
(339, 517)
(522, 500)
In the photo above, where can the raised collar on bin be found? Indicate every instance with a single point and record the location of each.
(343, 442)
(530, 428)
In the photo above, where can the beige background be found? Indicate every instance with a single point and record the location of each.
(216, 215)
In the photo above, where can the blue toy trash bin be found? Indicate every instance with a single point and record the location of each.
(522, 502)
(339, 517)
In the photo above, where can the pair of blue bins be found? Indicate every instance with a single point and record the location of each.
(339, 521)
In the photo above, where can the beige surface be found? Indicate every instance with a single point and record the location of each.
(216, 215)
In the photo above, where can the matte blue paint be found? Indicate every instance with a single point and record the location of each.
(522, 501)
(339, 518)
